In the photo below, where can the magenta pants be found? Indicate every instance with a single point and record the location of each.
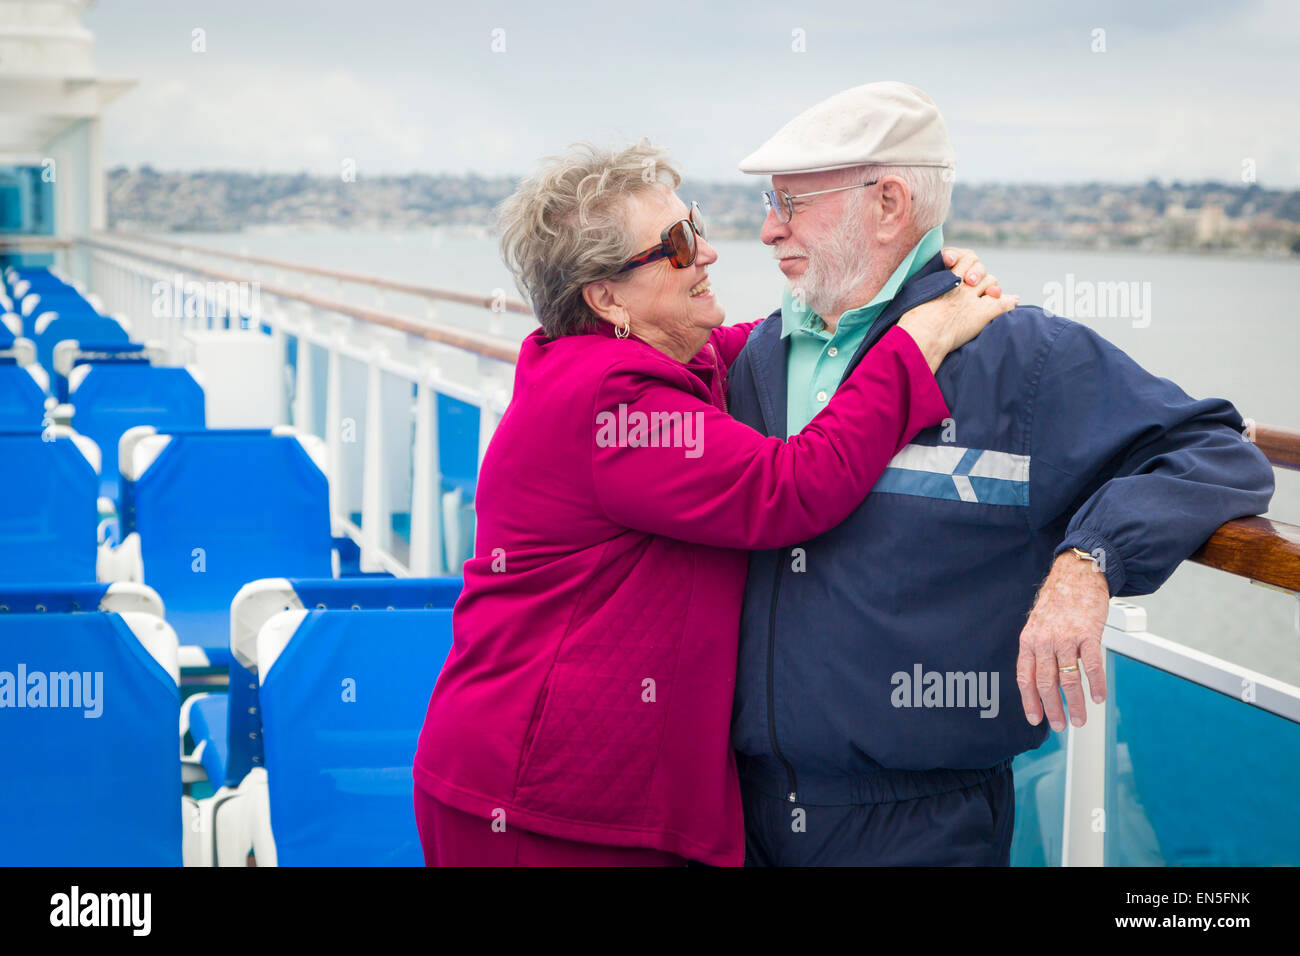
(451, 837)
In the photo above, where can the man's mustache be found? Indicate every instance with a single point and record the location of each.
(786, 251)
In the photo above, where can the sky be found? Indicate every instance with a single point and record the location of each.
(1029, 89)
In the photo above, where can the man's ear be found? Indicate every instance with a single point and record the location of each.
(895, 208)
(602, 300)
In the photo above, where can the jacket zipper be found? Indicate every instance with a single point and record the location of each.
(771, 681)
(876, 333)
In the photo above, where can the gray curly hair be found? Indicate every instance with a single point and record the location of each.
(567, 225)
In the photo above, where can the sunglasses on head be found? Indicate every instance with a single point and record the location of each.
(676, 243)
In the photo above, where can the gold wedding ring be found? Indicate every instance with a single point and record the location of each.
(1068, 669)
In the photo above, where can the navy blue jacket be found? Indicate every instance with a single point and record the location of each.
(1057, 440)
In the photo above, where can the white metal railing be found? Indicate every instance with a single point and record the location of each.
(430, 359)
(342, 284)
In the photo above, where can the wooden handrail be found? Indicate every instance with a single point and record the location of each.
(1281, 446)
(484, 345)
(1257, 548)
(1261, 549)
(379, 282)
(33, 243)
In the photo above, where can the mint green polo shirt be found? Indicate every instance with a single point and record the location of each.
(818, 359)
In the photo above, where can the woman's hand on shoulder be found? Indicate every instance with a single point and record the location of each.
(950, 321)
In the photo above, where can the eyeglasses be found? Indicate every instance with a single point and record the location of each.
(676, 243)
(782, 203)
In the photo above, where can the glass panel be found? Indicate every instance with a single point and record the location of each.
(290, 375)
(458, 444)
(1194, 777)
(27, 206)
(458, 424)
(320, 379)
(1040, 804)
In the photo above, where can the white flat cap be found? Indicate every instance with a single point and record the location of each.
(887, 123)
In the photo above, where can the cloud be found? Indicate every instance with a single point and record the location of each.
(1183, 90)
(262, 119)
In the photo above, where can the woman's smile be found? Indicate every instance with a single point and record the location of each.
(701, 290)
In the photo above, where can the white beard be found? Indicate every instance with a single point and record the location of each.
(835, 267)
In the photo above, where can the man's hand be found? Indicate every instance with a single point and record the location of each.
(1064, 627)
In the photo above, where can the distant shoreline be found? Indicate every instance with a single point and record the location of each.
(1238, 219)
(956, 238)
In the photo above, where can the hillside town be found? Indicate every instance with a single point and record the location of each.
(1153, 216)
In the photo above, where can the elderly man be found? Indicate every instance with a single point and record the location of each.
(892, 668)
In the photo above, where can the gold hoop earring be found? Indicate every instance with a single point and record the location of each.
(624, 330)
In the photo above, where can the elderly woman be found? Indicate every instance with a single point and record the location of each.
(582, 716)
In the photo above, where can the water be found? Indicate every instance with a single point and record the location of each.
(1217, 326)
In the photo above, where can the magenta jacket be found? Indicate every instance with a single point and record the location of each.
(588, 691)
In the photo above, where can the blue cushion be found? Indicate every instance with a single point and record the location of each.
(349, 556)
(48, 530)
(218, 509)
(39, 276)
(51, 598)
(115, 396)
(55, 297)
(31, 272)
(64, 303)
(104, 791)
(22, 402)
(80, 328)
(370, 593)
(208, 722)
(377, 593)
(244, 730)
(342, 708)
(198, 626)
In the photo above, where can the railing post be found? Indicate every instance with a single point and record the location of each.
(280, 346)
(372, 480)
(1083, 842)
(426, 482)
(1083, 839)
(174, 319)
(334, 434)
(304, 398)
